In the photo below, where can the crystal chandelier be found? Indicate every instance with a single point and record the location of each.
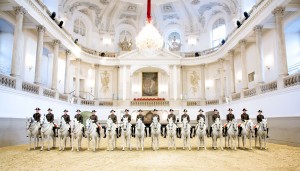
(149, 39)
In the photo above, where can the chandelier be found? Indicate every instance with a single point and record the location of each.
(149, 39)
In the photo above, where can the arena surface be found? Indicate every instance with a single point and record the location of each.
(276, 157)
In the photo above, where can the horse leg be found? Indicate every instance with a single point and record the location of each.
(250, 138)
(142, 141)
(265, 141)
(42, 145)
(174, 141)
(29, 142)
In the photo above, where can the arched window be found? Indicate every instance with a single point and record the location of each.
(218, 32)
(174, 41)
(79, 27)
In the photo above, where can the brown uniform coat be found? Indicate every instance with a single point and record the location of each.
(126, 116)
(230, 117)
(185, 116)
(79, 118)
(50, 117)
(140, 116)
(172, 116)
(259, 118)
(155, 115)
(215, 116)
(66, 117)
(244, 117)
(37, 117)
(94, 118)
(200, 116)
(113, 117)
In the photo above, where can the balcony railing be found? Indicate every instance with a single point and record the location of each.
(149, 103)
(193, 103)
(250, 92)
(49, 93)
(236, 96)
(30, 88)
(7, 81)
(212, 102)
(292, 80)
(63, 97)
(272, 86)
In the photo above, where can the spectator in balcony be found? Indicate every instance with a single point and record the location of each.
(79, 118)
(37, 116)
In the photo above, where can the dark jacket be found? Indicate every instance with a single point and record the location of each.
(200, 116)
(113, 117)
(37, 117)
(215, 116)
(230, 117)
(94, 118)
(155, 115)
(140, 116)
(126, 116)
(50, 117)
(66, 117)
(185, 116)
(259, 118)
(244, 117)
(79, 118)
(172, 116)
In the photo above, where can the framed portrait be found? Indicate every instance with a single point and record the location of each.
(150, 84)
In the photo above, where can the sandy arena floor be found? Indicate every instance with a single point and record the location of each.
(276, 157)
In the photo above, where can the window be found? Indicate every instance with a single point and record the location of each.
(218, 32)
(79, 27)
(174, 41)
(251, 76)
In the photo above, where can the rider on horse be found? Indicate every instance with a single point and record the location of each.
(171, 115)
(244, 116)
(67, 119)
(128, 116)
(50, 119)
(259, 118)
(79, 118)
(229, 118)
(139, 116)
(199, 116)
(214, 117)
(94, 118)
(158, 119)
(114, 118)
(37, 116)
(185, 115)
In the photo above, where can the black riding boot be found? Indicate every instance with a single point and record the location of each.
(98, 131)
(165, 135)
(195, 132)
(267, 132)
(240, 131)
(83, 133)
(161, 131)
(191, 132)
(133, 131)
(255, 132)
(179, 132)
(210, 131)
(225, 134)
(104, 132)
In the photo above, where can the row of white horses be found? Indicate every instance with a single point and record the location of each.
(45, 131)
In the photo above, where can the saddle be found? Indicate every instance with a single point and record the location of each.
(239, 125)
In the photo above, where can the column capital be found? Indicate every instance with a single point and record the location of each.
(279, 11)
(258, 28)
(68, 52)
(56, 42)
(78, 59)
(96, 65)
(231, 52)
(242, 42)
(19, 10)
(41, 28)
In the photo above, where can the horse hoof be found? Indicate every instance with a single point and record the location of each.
(41, 149)
(123, 149)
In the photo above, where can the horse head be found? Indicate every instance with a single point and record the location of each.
(234, 125)
(185, 123)
(249, 125)
(201, 123)
(264, 124)
(139, 124)
(109, 124)
(62, 122)
(29, 123)
(125, 123)
(218, 124)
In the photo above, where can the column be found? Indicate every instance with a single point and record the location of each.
(280, 41)
(260, 59)
(18, 52)
(78, 61)
(244, 63)
(67, 73)
(55, 64)
(202, 79)
(175, 79)
(171, 83)
(39, 55)
(231, 72)
(97, 81)
(221, 70)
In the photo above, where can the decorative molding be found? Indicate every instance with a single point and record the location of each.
(41, 28)
(258, 28)
(279, 11)
(20, 10)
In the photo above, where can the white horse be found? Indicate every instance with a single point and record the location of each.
(111, 135)
(63, 134)
(171, 130)
(232, 134)
(76, 133)
(261, 133)
(92, 135)
(247, 131)
(47, 133)
(217, 133)
(155, 133)
(201, 133)
(126, 133)
(186, 130)
(140, 134)
(33, 130)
